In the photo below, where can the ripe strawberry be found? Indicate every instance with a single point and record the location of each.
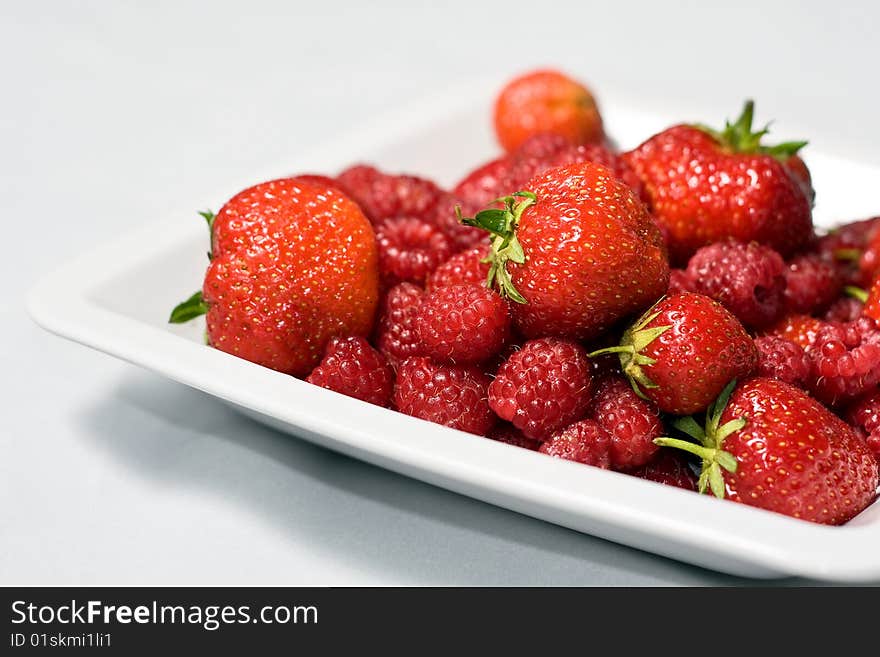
(543, 387)
(844, 361)
(577, 252)
(768, 444)
(800, 329)
(632, 422)
(396, 335)
(811, 284)
(683, 351)
(584, 442)
(864, 415)
(707, 186)
(747, 279)
(462, 324)
(451, 395)
(409, 249)
(504, 432)
(782, 359)
(352, 367)
(668, 468)
(293, 265)
(464, 267)
(382, 195)
(872, 302)
(546, 101)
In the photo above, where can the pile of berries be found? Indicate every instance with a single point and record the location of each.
(668, 312)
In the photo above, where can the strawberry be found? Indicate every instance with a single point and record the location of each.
(706, 186)
(872, 302)
(293, 265)
(546, 101)
(683, 351)
(768, 444)
(800, 329)
(577, 252)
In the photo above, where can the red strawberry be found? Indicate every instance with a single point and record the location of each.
(683, 351)
(462, 324)
(872, 302)
(768, 444)
(293, 265)
(707, 186)
(577, 252)
(747, 279)
(409, 249)
(543, 387)
(800, 329)
(584, 442)
(352, 367)
(464, 267)
(546, 101)
(396, 334)
(668, 468)
(382, 195)
(451, 395)
(632, 422)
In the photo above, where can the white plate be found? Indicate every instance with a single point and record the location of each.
(117, 299)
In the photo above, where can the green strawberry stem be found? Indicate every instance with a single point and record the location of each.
(209, 217)
(634, 340)
(856, 293)
(709, 440)
(193, 307)
(738, 137)
(501, 224)
(847, 255)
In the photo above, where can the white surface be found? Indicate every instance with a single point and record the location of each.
(111, 115)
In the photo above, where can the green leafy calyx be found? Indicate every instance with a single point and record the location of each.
(709, 440)
(193, 307)
(739, 137)
(501, 224)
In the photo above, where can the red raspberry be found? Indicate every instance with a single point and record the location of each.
(464, 267)
(381, 195)
(410, 249)
(462, 324)
(585, 442)
(451, 395)
(543, 387)
(669, 468)
(445, 218)
(396, 335)
(800, 329)
(747, 279)
(484, 184)
(680, 281)
(864, 415)
(811, 284)
(844, 361)
(632, 422)
(504, 432)
(351, 366)
(843, 247)
(845, 309)
(782, 359)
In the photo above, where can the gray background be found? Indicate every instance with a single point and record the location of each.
(110, 114)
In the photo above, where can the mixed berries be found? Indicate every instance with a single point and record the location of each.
(668, 312)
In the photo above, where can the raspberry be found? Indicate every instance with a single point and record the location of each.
(410, 249)
(381, 195)
(680, 281)
(843, 247)
(844, 361)
(445, 218)
(464, 267)
(845, 309)
(451, 395)
(504, 432)
(396, 335)
(585, 442)
(462, 324)
(352, 367)
(631, 421)
(543, 387)
(747, 279)
(782, 359)
(484, 184)
(800, 329)
(864, 415)
(669, 468)
(811, 284)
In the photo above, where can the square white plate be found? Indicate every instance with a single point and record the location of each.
(117, 299)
